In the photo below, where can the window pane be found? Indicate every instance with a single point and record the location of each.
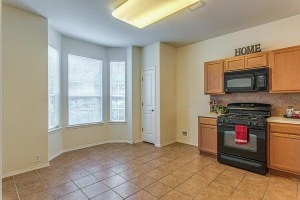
(85, 90)
(53, 88)
(117, 91)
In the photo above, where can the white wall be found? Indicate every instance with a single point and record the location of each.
(162, 57)
(136, 93)
(1, 100)
(168, 114)
(133, 81)
(54, 137)
(190, 59)
(25, 118)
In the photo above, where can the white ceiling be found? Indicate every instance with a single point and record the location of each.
(91, 20)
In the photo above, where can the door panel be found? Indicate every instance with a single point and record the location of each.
(214, 77)
(285, 69)
(256, 60)
(208, 138)
(255, 149)
(235, 63)
(284, 152)
(148, 105)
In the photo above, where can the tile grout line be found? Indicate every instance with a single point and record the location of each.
(235, 189)
(190, 177)
(266, 188)
(162, 155)
(80, 189)
(15, 184)
(48, 189)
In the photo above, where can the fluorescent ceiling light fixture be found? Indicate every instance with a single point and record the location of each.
(141, 13)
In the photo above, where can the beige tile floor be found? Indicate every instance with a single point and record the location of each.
(142, 171)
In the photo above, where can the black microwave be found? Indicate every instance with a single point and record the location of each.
(253, 80)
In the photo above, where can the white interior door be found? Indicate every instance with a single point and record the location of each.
(148, 105)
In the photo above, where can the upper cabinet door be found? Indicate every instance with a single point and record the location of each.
(214, 77)
(285, 70)
(235, 63)
(256, 60)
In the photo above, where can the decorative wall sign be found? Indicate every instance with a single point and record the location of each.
(248, 50)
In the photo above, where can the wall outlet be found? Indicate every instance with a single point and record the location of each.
(37, 158)
(184, 133)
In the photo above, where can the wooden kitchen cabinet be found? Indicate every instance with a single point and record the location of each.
(207, 135)
(256, 60)
(214, 77)
(235, 63)
(284, 148)
(285, 70)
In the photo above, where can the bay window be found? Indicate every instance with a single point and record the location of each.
(85, 101)
(117, 91)
(53, 89)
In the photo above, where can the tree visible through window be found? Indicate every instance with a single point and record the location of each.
(85, 90)
(53, 89)
(117, 91)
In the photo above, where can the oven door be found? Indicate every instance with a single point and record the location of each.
(239, 82)
(255, 149)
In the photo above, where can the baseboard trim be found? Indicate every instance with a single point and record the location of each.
(94, 144)
(14, 173)
(137, 141)
(189, 143)
(86, 146)
(55, 155)
(165, 144)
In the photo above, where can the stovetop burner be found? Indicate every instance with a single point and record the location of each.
(250, 114)
(245, 116)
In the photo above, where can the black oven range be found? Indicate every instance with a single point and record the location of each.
(242, 136)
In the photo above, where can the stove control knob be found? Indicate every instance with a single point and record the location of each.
(255, 123)
(227, 120)
(249, 123)
(221, 120)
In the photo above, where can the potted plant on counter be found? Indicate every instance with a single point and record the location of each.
(221, 109)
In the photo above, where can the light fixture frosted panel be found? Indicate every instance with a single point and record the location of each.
(141, 13)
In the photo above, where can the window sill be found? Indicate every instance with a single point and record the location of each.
(117, 122)
(54, 130)
(85, 125)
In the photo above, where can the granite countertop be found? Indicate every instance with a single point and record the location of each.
(209, 115)
(283, 120)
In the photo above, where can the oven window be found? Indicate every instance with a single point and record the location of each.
(239, 83)
(229, 141)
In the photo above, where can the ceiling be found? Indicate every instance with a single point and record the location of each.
(91, 20)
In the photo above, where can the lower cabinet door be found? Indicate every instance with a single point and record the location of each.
(207, 138)
(285, 152)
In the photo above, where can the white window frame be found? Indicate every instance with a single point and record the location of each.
(103, 99)
(59, 126)
(110, 107)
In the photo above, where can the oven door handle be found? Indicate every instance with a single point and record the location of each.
(249, 127)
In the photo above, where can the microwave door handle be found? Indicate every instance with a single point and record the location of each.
(254, 83)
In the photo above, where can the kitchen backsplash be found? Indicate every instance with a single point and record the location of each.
(279, 102)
